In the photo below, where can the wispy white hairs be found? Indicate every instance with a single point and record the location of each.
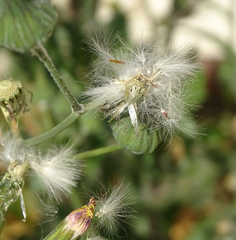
(57, 170)
(113, 208)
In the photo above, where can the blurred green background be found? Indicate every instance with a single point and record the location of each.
(183, 191)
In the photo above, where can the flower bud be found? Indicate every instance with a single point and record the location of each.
(80, 219)
(75, 224)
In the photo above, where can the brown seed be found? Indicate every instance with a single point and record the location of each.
(116, 61)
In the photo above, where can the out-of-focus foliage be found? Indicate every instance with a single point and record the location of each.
(186, 190)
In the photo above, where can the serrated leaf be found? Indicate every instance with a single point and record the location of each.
(26, 23)
(125, 134)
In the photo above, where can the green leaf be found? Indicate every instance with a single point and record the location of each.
(124, 132)
(26, 23)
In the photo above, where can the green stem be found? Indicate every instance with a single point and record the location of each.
(43, 56)
(3, 122)
(2, 221)
(54, 131)
(97, 152)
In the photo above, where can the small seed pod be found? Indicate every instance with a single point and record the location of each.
(12, 97)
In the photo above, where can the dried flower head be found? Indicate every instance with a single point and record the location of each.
(147, 82)
(12, 97)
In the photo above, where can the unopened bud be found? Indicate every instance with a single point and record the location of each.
(80, 219)
(75, 224)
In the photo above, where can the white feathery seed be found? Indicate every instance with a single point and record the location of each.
(113, 208)
(57, 170)
(149, 81)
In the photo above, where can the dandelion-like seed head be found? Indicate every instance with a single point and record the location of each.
(147, 82)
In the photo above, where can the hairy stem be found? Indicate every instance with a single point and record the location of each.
(43, 56)
(97, 152)
(54, 131)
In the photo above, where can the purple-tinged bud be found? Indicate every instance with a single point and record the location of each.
(75, 224)
(80, 219)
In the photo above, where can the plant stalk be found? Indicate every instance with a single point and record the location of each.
(97, 152)
(54, 131)
(40, 52)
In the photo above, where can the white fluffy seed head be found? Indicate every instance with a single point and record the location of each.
(148, 81)
(56, 170)
(113, 208)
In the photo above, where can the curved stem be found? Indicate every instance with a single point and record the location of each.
(54, 131)
(97, 152)
(40, 52)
